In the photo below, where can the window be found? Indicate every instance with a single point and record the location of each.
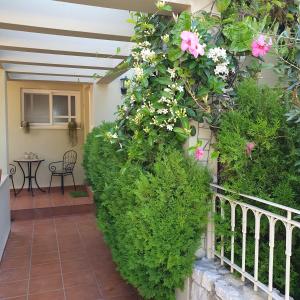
(50, 108)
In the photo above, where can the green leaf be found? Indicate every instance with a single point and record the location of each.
(167, 7)
(175, 53)
(222, 5)
(214, 154)
(164, 80)
(240, 35)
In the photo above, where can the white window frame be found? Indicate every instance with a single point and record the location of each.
(51, 93)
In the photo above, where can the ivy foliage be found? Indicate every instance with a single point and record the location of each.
(269, 173)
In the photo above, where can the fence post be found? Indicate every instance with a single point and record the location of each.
(204, 134)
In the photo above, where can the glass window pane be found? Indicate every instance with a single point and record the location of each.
(60, 120)
(36, 108)
(60, 105)
(73, 105)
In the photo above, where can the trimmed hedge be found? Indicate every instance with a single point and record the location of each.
(152, 217)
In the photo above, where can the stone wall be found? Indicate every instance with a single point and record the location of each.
(211, 281)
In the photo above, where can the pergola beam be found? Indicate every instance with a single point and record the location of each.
(58, 18)
(147, 6)
(27, 69)
(47, 78)
(52, 60)
(55, 44)
(64, 32)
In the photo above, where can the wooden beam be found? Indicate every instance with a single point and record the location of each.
(2, 61)
(147, 6)
(52, 17)
(114, 74)
(55, 71)
(60, 52)
(64, 32)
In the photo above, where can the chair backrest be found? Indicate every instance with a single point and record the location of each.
(12, 170)
(69, 160)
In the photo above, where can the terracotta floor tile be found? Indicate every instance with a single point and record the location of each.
(14, 262)
(43, 258)
(74, 254)
(72, 266)
(78, 278)
(13, 289)
(54, 295)
(10, 275)
(83, 292)
(41, 202)
(45, 269)
(45, 283)
(69, 246)
(17, 251)
(18, 298)
(23, 204)
(82, 200)
(42, 247)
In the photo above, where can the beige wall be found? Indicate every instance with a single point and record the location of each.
(3, 122)
(105, 100)
(47, 143)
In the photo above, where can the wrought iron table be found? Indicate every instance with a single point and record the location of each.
(31, 173)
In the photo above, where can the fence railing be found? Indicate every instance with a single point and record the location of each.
(259, 207)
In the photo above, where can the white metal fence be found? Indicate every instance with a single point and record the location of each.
(286, 215)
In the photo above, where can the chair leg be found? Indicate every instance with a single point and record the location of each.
(74, 181)
(50, 184)
(62, 184)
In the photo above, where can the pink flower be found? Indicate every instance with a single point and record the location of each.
(190, 43)
(199, 50)
(199, 153)
(249, 148)
(260, 47)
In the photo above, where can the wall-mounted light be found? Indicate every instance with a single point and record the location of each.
(123, 85)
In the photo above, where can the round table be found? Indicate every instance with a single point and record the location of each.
(31, 174)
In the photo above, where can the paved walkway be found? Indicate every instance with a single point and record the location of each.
(60, 258)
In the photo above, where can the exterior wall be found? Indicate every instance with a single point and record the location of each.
(106, 98)
(3, 122)
(49, 144)
(4, 213)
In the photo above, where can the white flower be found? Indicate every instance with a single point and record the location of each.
(217, 54)
(222, 71)
(165, 38)
(170, 127)
(160, 4)
(172, 72)
(109, 135)
(139, 72)
(162, 111)
(148, 55)
(180, 89)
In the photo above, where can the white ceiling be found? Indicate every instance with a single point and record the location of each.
(67, 40)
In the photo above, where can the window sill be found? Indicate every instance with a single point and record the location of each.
(50, 127)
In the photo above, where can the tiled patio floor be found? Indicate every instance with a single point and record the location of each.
(60, 258)
(24, 206)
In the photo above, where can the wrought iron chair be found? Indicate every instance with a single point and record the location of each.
(63, 168)
(12, 171)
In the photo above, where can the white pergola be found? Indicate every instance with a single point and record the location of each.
(69, 40)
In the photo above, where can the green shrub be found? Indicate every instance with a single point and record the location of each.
(100, 159)
(269, 173)
(152, 217)
(160, 232)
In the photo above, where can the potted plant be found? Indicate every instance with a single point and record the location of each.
(26, 126)
(72, 132)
